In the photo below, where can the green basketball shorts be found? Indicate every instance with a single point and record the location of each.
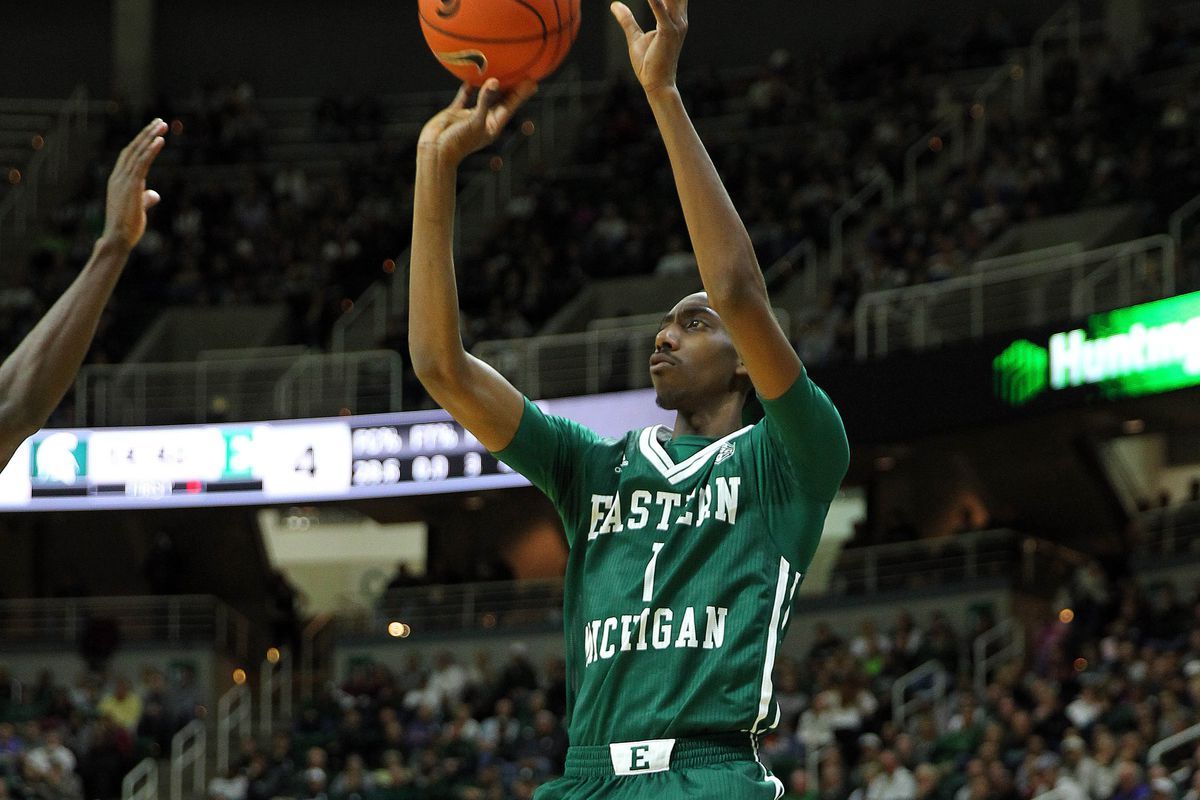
(717, 767)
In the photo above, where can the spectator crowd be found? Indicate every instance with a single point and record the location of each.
(1101, 684)
(71, 742)
(794, 139)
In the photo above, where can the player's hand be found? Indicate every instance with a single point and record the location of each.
(655, 53)
(128, 198)
(460, 129)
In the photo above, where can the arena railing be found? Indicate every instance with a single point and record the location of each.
(160, 619)
(1007, 637)
(271, 383)
(880, 187)
(993, 301)
(931, 674)
(1184, 215)
(606, 358)
(1169, 533)
(965, 559)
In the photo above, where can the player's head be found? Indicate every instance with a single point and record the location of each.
(694, 362)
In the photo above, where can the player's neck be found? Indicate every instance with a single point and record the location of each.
(712, 422)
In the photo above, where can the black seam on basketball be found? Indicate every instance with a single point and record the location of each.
(485, 40)
(558, 40)
(538, 14)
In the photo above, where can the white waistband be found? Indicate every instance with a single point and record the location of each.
(641, 758)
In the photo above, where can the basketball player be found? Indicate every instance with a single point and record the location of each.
(36, 375)
(686, 544)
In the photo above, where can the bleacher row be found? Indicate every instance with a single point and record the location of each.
(297, 202)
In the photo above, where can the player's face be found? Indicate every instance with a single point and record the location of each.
(694, 360)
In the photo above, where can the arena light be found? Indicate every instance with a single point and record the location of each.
(1066, 616)
(239, 676)
(398, 630)
(273, 655)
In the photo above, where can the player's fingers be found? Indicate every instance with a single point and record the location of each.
(505, 110)
(124, 156)
(150, 199)
(661, 15)
(489, 96)
(626, 20)
(675, 9)
(144, 141)
(147, 135)
(141, 166)
(463, 97)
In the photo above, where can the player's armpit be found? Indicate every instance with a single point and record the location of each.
(479, 398)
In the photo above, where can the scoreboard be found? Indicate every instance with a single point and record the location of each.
(287, 461)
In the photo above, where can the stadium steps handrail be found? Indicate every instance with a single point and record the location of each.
(931, 672)
(189, 748)
(141, 783)
(1010, 636)
(1186, 736)
(235, 711)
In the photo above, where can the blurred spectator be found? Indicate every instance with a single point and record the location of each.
(122, 705)
(798, 788)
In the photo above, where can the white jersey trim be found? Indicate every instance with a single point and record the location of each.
(654, 452)
(768, 688)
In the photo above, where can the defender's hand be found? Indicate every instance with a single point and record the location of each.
(458, 131)
(128, 198)
(655, 54)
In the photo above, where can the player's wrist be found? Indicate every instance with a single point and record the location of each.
(665, 91)
(432, 156)
(113, 244)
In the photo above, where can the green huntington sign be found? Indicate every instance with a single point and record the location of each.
(1129, 352)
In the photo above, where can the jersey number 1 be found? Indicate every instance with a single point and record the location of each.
(648, 581)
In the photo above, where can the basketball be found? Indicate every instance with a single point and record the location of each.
(510, 40)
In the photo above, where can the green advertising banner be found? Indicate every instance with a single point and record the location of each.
(1131, 352)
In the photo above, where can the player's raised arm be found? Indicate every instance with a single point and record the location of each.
(38, 373)
(475, 394)
(724, 253)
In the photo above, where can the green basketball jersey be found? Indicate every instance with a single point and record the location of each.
(684, 558)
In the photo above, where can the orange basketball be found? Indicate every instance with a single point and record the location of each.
(510, 40)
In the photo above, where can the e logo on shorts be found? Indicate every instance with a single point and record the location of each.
(641, 758)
